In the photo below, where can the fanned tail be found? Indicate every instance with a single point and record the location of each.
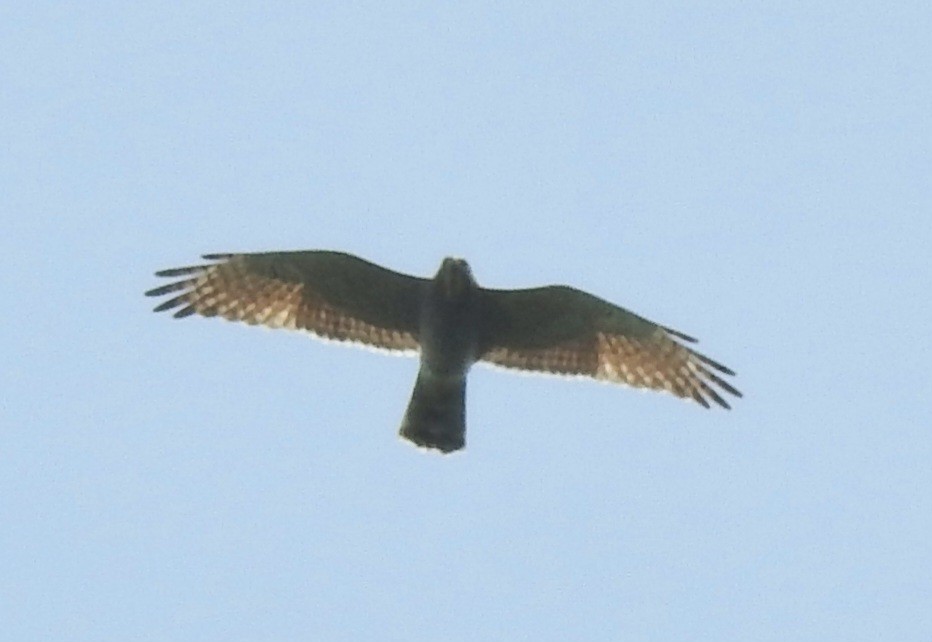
(436, 415)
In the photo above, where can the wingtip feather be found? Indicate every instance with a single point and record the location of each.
(181, 271)
(680, 335)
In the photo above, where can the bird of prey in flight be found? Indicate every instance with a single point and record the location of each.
(451, 322)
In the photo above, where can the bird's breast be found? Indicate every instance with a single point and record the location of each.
(449, 336)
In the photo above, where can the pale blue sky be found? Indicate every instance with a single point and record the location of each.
(754, 174)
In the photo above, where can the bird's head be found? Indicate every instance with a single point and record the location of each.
(454, 278)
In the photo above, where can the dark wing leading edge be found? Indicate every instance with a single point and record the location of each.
(561, 330)
(333, 295)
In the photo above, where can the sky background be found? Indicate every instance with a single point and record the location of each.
(754, 174)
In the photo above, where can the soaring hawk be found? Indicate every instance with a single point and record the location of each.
(451, 321)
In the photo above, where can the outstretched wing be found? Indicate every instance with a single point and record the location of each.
(561, 330)
(333, 295)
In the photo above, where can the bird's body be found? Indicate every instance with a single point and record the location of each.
(451, 321)
(449, 338)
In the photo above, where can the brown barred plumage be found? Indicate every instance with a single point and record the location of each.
(451, 321)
